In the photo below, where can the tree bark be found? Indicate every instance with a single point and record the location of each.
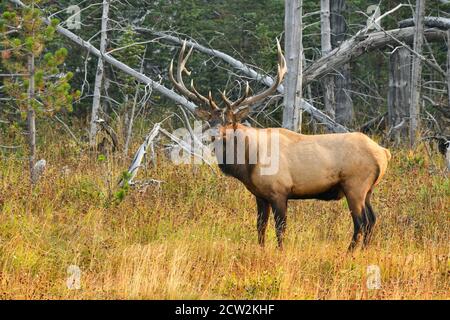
(343, 103)
(448, 67)
(325, 40)
(292, 117)
(399, 92)
(31, 117)
(99, 75)
(416, 72)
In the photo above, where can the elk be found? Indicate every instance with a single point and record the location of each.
(325, 167)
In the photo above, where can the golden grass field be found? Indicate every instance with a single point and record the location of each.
(195, 236)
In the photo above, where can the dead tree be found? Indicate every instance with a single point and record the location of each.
(292, 117)
(416, 72)
(399, 93)
(325, 39)
(31, 116)
(133, 111)
(342, 80)
(99, 75)
(358, 45)
(448, 67)
(430, 22)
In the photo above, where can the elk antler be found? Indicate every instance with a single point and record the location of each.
(245, 100)
(179, 84)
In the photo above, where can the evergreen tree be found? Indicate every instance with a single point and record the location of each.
(37, 86)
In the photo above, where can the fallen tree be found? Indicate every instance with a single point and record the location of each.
(360, 44)
(430, 22)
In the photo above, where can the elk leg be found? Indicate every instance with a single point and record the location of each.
(356, 205)
(263, 216)
(279, 207)
(372, 219)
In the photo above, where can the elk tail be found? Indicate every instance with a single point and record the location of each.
(382, 166)
(388, 154)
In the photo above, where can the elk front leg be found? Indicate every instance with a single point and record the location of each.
(263, 216)
(279, 207)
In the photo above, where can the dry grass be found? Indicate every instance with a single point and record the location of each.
(195, 237)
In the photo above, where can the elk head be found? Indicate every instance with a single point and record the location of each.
(231, 112)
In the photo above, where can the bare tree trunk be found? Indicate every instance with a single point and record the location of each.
(399, 92)
(416, 72)
(328, 81)
(31, 117)
(133, 110)
(292, 116)
(343, 103)
(99, 74)
(342, 95)
(448, 66)
(130, 121)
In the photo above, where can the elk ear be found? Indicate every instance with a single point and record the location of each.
(202, 114)
(241, 114)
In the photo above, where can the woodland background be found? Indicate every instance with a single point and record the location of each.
(188, 231)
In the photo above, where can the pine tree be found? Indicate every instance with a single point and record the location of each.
(37, 87)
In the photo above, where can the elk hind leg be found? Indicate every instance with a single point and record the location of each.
(355, 199)
(371, 220)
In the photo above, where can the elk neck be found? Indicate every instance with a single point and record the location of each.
(240, 171)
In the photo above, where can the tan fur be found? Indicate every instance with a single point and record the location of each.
(310, 164)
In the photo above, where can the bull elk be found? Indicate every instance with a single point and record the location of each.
(325, 167)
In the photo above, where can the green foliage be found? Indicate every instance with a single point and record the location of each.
(52, 90)
(415, 161)
(101, 158)
(132, 53)
(124, 187)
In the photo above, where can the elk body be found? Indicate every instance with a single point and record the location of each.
(325, 167)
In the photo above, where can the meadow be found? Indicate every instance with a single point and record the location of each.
(194, 236)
